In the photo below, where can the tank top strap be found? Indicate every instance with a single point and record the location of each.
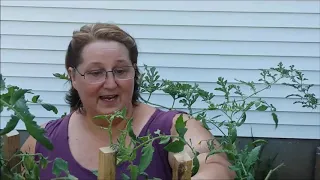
(160, 120)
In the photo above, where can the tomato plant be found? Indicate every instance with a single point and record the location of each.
(231, 114)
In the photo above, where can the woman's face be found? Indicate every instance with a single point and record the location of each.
(110, 94)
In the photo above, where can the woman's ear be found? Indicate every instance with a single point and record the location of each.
(71, 74)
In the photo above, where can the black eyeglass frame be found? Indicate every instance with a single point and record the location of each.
(112, 71)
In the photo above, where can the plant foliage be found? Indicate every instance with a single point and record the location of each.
(13, 99)
(230, 115)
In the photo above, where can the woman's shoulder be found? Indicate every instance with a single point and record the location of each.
(56, 126)
(168, 114)
(163, 120)
(51, 129)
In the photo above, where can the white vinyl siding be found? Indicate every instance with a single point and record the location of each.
(188, 41)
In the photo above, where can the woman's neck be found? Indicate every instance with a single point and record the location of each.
(97, 127)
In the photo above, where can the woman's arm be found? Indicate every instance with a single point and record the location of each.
(216, 166)
(29, 145)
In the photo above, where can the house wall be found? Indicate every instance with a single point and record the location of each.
(191, 41)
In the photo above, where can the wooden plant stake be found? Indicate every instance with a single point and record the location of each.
(11, 146)
(107, 164)
(182, 166)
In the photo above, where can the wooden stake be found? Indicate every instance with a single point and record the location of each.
(107, 164)
(10, 147)
(182, 166)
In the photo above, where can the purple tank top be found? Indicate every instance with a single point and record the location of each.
(57, 132)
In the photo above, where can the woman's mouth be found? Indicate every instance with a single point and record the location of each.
(109, 98)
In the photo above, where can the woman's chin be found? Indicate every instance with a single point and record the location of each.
(107, 111)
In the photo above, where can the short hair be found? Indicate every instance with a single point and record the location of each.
(90, 33)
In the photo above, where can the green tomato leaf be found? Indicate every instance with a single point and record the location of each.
(35, 98)
(250, 177)
(50, 107)
(205, 125)
(233, 134)
(17, 95)
(2, 83)
(196, 165)
(123, 112)
(12, 89)
(63, 115)
(22, 108)
(202, 118)
(36, 172)
(17, 176)
(10, 125)
(248, 107)
(130, 131)
(275, 118)
(143, 139)
(221, 123)
(234, 168)
(125, 177)
(59, 166)
(242, 119)
(61, 76)
(257, 103)
(101, 117)
(1, 105)
(181, 126)
(28, 162)
(147, 153)
(164, 139)
(262, 108)
(212, 107)
(43, 162)
(258, 142)
(252, 156)
(134, 171)
(38, 133)
(175, 146)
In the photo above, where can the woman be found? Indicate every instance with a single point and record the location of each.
(101, 61)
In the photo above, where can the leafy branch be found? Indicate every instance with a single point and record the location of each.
(13, 99)
(234, 111)
(127, 153)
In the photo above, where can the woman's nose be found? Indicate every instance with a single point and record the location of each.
(110, 81)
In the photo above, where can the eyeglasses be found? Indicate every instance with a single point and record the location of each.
(98, 76)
